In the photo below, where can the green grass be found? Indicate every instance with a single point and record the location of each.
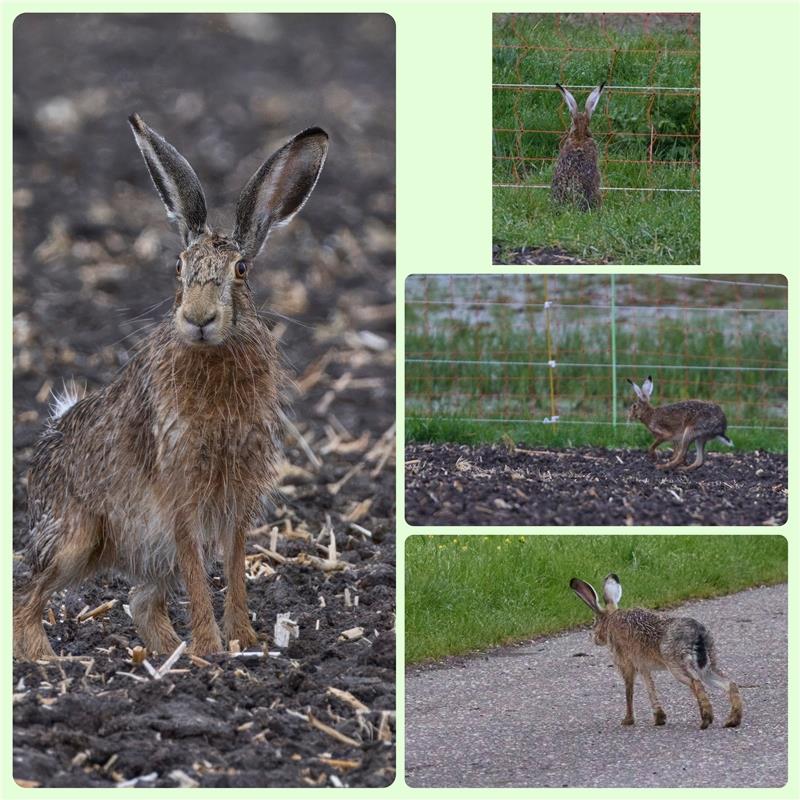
(467, 593)
(625, 435)
(631, 226)
(477, 349)
(627, 229)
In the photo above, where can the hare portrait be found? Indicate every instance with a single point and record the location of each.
(681, 423)
(576, 180)
(642, 641)
(164, 468)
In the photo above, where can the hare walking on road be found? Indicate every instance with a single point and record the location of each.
(641, 641)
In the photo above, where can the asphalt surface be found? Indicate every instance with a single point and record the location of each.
(548, 713)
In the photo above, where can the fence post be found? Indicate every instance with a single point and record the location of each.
(613, 351)
(549, 339)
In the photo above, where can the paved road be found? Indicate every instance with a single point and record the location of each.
(548, 713)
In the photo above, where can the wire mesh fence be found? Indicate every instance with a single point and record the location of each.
(556, 349)
(647, 124)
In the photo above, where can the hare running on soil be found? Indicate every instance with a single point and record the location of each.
(642, 641)
(682, 423)
(155, 472)
(576, 180)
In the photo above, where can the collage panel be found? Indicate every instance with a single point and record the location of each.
(596, 138)
(680, 679)
(204, 431)
(585, 399)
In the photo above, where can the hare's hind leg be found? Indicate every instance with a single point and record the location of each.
(688, 676)
(699, 445)
(65, 552)
(236, 618)
(678, 456)
(720, 681)
(148, 604)
(659, 716)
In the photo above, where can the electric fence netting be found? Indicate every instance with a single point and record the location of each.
(647, 124)
(557, 349)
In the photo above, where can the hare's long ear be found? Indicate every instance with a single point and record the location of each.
(647, 388)
(612, 591)
(279, 189)
(637, 390)
(568, 99)
(593, 98)
(586, 593)
(174, 179)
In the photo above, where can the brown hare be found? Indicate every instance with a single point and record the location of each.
(642, 641)
(682, 423)
(576, 179)
(156, 472)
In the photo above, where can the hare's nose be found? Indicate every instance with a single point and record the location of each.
(199, 321)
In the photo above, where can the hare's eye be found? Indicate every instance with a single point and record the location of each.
(241, 269)
(178, 267)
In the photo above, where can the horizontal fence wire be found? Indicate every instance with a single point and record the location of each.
(647, 130)
(556, 349)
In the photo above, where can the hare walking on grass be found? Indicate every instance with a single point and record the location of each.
(154, 473)
(682, 423)
(642, 641)
(576, 180)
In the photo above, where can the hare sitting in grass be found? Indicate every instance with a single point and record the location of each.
(642, 641)
(689, 421)
(576, 180)
(154, 473)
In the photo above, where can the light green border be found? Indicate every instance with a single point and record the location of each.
(750, 204)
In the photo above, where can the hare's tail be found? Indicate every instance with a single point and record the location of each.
(725, 440)
(64, 399)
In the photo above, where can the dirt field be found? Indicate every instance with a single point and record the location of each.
(93, 271)
(486, 485)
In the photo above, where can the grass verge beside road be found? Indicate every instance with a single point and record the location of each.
(466, 593)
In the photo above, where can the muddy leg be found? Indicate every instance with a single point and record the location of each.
(205, 632)
(236, 619)
(658, 712)
(149, 611)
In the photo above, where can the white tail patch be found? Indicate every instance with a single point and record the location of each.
(725, 440)
(64, 400)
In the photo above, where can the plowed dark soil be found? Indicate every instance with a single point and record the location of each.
(486, 485)
(93, 271)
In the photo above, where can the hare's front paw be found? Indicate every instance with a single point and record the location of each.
(660, 718)
(242, 632)
(627, 721)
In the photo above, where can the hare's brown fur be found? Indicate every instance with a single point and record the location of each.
(682, 423)
(642, 641)
(576, 178)
(154, 473)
